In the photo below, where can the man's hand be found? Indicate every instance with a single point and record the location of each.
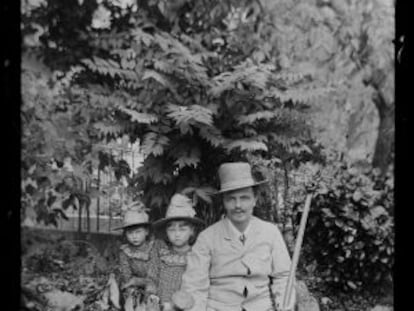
(182, 300)
(134, 281)
(153, 299)
(153, 303)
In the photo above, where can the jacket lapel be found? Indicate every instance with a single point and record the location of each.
(230, 236)
(253, 232)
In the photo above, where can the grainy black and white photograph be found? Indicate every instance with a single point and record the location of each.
(207, 155)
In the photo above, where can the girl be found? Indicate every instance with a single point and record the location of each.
(136, 254)
(179, 226)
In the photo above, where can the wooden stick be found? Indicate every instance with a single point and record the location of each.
(298, 245)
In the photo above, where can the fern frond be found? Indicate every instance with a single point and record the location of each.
(190, 115)
(187, 158)
(140, 117)
(299, 95)
(246, 144)
(154, 143)
(253, 117)
(108, 129)
(160, 78)
(143, 37)
(212, 135)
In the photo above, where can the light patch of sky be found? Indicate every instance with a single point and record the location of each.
(101, 18)
(124, 3)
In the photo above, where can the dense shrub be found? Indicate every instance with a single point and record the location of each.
(350, 231)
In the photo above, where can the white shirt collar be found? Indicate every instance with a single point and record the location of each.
(237, 231)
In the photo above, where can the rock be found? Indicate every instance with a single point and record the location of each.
(304, 300)
(382, 308)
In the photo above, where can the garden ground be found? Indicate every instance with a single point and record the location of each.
(74, 268)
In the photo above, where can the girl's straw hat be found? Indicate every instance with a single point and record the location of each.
(180, 208)
(135, 217)
(236, 175)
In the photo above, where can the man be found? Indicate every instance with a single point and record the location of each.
(240, 263)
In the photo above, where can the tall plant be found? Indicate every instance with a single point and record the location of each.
(194, 92)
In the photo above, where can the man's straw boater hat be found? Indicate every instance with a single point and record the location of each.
(236, 175)
(134, 216)
(180, 208)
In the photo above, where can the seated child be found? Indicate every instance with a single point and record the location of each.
(179, 227)
(136, 254)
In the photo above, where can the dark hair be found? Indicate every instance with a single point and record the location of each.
(192, 238)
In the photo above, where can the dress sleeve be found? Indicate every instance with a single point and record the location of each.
(125, 272)
(153, 270)
(280, 271)
(196, 279)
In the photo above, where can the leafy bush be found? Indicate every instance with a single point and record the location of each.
(350, 231)
(192, 94)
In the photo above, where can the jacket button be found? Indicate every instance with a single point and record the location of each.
(245, 292)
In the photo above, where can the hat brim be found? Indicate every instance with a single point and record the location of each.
(241, 187)
(131, 225)
(163, 221)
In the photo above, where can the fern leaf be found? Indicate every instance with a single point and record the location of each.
(212, 135)
(191, 158)
(108, 129)
(246, 145)
(163, 66)
(140, 117)
(300, 95)
(190, 115)
(157, 77)
(153, 170)
(142, 36)
(205, 193)
(154, 143)
(253, 117)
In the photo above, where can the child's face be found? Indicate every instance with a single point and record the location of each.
(179, 232)
(136, 236)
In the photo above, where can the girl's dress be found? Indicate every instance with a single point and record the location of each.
(166, 270)
(135, 261)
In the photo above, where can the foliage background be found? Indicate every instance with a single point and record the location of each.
(297, 88)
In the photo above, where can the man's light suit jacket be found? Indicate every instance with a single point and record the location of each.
(222, 274)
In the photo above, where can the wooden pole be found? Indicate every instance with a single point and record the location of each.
(109, 202)
(295, 258)
(132, 160)
(110, 184)
(88, 206)
(98, 200)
